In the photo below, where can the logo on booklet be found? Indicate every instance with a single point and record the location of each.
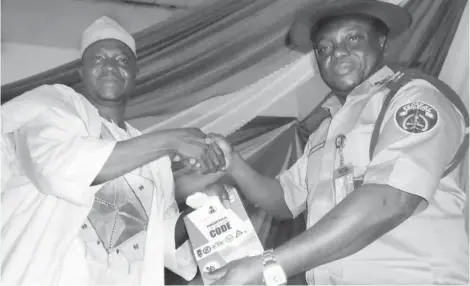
(207, 249)
(229, 238)
(239, 232)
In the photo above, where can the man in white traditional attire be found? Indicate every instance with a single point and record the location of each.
(87, 199)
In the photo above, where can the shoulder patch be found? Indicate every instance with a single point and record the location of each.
(416, 117)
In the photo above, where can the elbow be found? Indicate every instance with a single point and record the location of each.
(401, 206)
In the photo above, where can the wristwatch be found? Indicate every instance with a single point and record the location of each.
(273, 274)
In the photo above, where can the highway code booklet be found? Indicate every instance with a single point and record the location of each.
(219, 234)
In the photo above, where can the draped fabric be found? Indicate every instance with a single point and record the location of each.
(455, 72)
(225, 114)
(195, 50)
(427, 42)
(226, 45)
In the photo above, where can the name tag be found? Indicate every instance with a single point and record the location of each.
(343, 182)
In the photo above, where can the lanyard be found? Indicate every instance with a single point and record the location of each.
(340, 143)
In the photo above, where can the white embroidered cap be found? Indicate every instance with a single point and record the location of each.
(106, 28)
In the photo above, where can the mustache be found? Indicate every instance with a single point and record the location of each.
(343, 62)
(109, 76)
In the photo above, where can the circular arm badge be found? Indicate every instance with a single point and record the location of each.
(416, 117)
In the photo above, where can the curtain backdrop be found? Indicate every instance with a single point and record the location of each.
(455, 73)
(218, 49)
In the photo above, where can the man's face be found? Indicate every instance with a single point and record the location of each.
(109, 71)
(348, 51)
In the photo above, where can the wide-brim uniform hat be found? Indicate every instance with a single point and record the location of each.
(396, 18)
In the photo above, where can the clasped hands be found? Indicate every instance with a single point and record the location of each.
(207, 153)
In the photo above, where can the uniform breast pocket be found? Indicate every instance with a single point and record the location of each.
(319, 199)
(356, 150)
(314, 165)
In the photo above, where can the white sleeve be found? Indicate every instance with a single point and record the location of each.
(7, 160)
(59, 157)
(181, 260)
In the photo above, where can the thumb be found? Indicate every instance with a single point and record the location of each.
(216, 274)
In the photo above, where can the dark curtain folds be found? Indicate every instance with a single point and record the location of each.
(426, 44)
(225, 45)
(192, 52)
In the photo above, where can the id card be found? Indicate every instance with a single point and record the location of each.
(343, 179)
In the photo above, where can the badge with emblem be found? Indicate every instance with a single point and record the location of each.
(416, 117)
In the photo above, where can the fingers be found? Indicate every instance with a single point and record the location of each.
(208, 165)
(216, 160)
(213, 157)
(197, 135)
(176, 158)
(196, 144)
(220, 155)
(225, 147)
(219, 191)
(203, 165)
(216, 274)
(215, 153)
(191, 163)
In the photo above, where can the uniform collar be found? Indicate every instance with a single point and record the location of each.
(381, 77)
(332, 104)
(374, 82)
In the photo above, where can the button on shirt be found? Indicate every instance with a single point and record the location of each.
(431, 246)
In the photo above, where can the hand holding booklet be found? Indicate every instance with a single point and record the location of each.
(220, 232)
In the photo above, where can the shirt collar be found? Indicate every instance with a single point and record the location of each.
(381, 77)
(120, 133)
(374, 82)
(332, 104)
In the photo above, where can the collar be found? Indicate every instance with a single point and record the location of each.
(118, 132)
(374, 82)
(332, 104)
(381, 77)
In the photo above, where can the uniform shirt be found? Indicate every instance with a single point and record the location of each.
(55, 150)
(419, 136)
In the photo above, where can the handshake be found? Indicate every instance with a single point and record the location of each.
(207, 153)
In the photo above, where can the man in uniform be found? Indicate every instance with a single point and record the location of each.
(86, 198)
(390, 219)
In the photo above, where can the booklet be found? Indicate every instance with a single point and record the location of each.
(220, 233)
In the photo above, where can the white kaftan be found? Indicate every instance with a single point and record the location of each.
(51, 153)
